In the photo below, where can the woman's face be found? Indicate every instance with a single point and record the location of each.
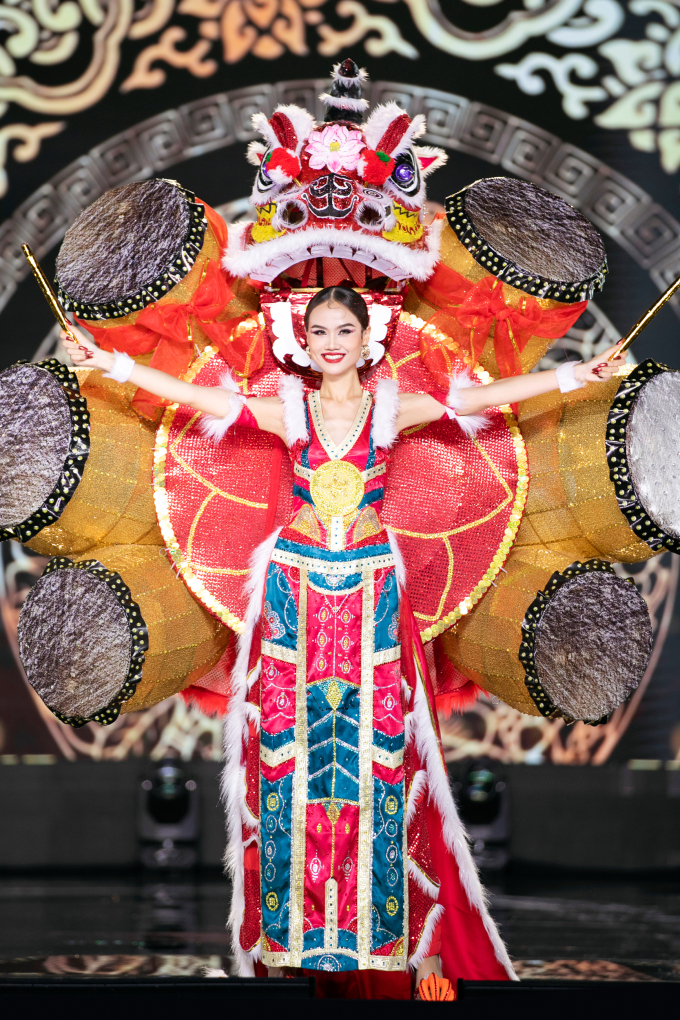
(334, 338)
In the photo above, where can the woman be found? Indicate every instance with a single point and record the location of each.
(346, 852)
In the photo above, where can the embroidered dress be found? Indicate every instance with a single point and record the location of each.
(335, 777)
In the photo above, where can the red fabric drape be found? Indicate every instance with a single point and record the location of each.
(466, 948)
(468, 311)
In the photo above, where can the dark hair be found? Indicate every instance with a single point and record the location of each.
(345, 296)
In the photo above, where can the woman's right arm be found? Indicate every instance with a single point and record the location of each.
(267, 411)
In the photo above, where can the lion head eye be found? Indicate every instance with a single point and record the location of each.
(404, 174)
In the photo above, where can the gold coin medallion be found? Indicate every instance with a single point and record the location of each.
(337, 488)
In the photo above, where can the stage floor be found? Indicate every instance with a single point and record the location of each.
(555, 926)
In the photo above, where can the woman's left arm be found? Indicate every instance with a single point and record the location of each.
(421, 408)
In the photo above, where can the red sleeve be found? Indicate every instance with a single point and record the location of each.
(246, 418)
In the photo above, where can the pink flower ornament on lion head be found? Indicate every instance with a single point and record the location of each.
(347, 189)
(336, 148)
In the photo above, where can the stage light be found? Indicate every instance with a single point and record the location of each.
(167, 824)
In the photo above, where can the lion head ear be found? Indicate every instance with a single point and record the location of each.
(390, 129)
(289, 128)
(292, 126)
(430, 158)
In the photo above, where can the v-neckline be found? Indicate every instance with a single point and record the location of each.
(337, 452)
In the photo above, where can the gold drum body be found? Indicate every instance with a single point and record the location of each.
(571, 506)
(113, 504)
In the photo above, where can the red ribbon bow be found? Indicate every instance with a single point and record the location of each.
(472, 309)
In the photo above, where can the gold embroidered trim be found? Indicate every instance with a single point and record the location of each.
(365, 849)
(387, 655)
(274, 758)
(396, 962)
(333, 451)
(273, 651)
(330, 940)
(336, 569)
(299, 819)
(367, 525)
(302, 472)
(388, 962)
(307, 523)
(390, 759)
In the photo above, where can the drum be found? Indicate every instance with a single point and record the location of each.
(603, 468)
(143, 244)
(546, 256)
(553, 638)
(76, 461)
(114, 632)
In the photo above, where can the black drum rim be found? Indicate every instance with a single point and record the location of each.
(79, 450)
(508, 272)
(139, 635)
(640, 521)
(176, 270)
(527, 648)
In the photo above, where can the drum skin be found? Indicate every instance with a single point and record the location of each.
(113, 505)
(245, 300)
(484, 646)
(583, 648)
(185, 641)
(571, 506)
(456, 256)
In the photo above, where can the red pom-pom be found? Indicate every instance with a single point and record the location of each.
(377, 166)
(457, 702)
(282, 160)
(208, 702)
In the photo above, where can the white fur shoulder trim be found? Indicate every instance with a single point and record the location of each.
(216, 428)
(292, 396)
(385, 413)
(470, 424)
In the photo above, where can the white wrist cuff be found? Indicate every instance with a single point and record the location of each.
(566, 380)
(121, 370)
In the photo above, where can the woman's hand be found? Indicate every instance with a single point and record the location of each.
(599, 368)
(85, 352)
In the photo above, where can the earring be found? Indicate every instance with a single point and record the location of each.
(365, 352)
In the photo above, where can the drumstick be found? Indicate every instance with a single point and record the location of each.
(634, 333)
(50, 296)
